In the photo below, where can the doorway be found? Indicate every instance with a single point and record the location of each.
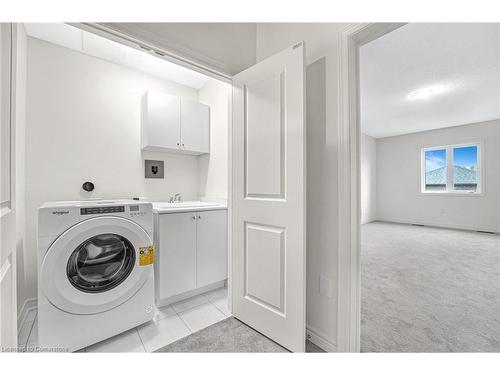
(413, 295)
(85, 93)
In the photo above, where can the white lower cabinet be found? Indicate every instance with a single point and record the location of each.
(191, 250)
(211, 249)
(176, 254)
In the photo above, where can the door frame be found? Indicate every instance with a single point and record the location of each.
(349, 259)
(9, 267)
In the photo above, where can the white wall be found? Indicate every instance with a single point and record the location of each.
(213, 167)
(322, 246)
(398, 181)
(368, 164)
(83, 123)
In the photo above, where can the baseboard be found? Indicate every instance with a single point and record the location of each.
(439, 225)
(191, 293)
(368, 220)
(29, 305)
(320, 340)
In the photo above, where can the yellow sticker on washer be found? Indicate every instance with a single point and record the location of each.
(146, 255)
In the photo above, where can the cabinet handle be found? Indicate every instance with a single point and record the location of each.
(193, 217)
(199, 217)
(178, 143)
(183, 145)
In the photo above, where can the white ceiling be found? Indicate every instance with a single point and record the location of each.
(97, 46)
(463, 60)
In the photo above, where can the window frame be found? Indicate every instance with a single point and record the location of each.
(450, 191)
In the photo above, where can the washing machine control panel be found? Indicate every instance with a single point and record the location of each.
(101, 210)
(135, 210)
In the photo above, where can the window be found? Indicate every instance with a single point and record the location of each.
(451, 169)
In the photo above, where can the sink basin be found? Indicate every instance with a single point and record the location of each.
(187, 204)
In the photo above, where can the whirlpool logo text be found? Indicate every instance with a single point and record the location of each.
(60, 212)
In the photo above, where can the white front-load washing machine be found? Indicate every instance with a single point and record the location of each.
(95, 271)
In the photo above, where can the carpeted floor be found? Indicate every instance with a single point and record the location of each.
(429, 290)
(228, 336)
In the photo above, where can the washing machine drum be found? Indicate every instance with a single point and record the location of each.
(101, 263)
(94, 265)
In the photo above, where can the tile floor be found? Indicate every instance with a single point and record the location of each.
(170, 323)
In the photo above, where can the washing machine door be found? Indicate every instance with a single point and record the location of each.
(94, 266)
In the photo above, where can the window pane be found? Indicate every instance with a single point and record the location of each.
(465, 168)
(435, 170)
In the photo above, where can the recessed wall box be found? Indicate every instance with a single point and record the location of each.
(154, 169)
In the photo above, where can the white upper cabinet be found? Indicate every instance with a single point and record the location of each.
(195, 127)
(171, 124)
(161, 121)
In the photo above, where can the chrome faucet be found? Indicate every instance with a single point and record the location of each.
(176, 198)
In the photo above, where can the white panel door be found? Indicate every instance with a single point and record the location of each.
(161, 121)
(176, 263)
(8, 308)
(211, 250)
(195, 127)
(268, 218)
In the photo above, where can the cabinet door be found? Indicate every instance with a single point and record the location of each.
(211, 257)
(161, 121)
(195, 127)
(176, 254)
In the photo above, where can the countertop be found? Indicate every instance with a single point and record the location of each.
(188, 206)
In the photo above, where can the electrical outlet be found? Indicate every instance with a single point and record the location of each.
(325, 286)
(153, 168)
